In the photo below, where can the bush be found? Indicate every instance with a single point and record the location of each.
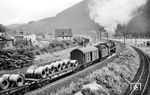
(16, 58)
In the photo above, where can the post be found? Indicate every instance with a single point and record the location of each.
(135, 40)
(100, 35)
(124, 37)
(131, 38)
(107, 37)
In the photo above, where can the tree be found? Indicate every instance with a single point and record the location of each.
(119, 30)
(2, 28)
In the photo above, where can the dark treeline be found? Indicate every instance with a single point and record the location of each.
(2, 28)
(139, 25)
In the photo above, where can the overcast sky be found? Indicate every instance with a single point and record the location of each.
(22, 11)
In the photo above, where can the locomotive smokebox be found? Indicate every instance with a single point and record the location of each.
(4, 84)
(17, 79)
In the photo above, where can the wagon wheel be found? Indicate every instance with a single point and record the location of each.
(21, 92)
(27, 89)
(75, 70)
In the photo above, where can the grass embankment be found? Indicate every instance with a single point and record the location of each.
(145, 49)
(110, 80)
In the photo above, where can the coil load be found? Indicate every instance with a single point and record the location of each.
(74, 63)
(51, 68)
(67, 62)
(16, 79)
(57, 66)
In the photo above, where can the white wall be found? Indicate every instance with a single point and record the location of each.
(65, 38)
(31, 37)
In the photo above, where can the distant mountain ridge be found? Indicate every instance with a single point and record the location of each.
(75, 17)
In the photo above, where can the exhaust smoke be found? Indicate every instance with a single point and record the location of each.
(109, 13)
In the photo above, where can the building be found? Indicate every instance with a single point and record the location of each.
(31, 37)
(63, 34)
(45, 37)
(6, 41)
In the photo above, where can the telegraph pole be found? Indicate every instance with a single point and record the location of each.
(107, 37)
(100, 35)
(124, 34)
(46, 27)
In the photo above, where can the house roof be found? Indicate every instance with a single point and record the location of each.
(7, 38)
(63, 33)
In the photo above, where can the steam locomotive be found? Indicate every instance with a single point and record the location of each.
(17, 84)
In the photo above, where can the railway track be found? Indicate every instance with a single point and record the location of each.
(139, 85)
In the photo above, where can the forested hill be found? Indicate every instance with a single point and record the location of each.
(75, 17)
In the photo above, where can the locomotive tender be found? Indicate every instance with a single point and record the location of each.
(17, 84)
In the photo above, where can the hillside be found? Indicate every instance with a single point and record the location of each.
(75, 17)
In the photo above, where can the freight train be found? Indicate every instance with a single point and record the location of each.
(34, 78)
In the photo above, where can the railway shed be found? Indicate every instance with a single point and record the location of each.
(84, 55)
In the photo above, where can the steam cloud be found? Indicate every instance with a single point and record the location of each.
(109, 13)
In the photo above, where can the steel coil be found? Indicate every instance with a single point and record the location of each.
(51, 68)
(67, 62)
(14, 78)
(57, 66)
(46, 69)
(40, 73)
(4, 84)
(74, 63)
(62, 64)
(30, 73)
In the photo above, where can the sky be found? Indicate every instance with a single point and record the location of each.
(23, 11)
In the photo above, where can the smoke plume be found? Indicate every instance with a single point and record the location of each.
(109, 13)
